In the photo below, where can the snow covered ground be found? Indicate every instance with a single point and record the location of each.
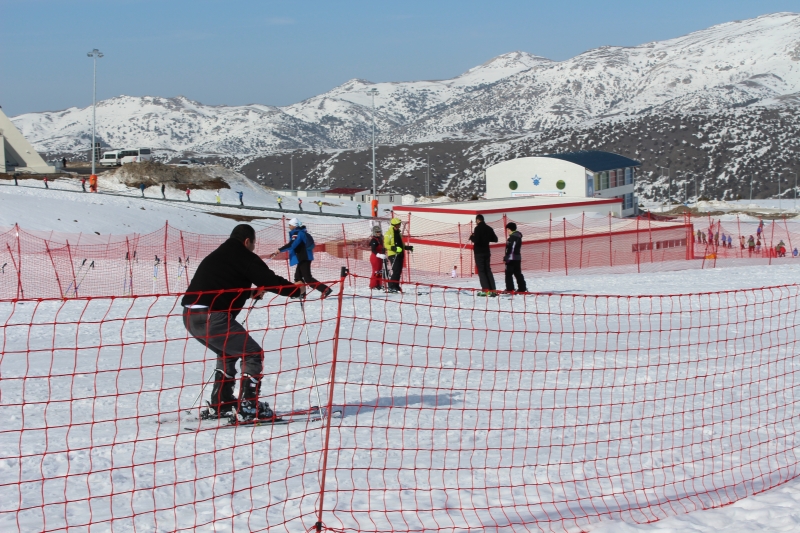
(112, 397)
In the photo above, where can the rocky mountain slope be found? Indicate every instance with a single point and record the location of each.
(731, 65)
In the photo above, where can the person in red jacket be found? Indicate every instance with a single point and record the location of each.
(377, 259)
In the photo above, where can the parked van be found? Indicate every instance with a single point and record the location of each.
(135, 155)
(111, 159)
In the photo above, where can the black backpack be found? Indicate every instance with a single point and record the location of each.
(309, 242)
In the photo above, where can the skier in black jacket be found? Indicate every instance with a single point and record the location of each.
(513, 259)
(210, 316)
(481, 236)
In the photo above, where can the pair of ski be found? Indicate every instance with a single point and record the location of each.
(283, 418)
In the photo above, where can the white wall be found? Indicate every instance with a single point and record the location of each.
(532, 215)
(523, 170)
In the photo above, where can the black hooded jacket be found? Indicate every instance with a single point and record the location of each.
(232, 266)
(482, 235)
(513, 247)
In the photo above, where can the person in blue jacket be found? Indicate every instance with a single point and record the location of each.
(301, 254)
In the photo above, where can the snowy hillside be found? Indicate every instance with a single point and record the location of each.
(734, 64)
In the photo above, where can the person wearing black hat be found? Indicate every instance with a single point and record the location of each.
(482, 235)
(513, 259)
(217, 293)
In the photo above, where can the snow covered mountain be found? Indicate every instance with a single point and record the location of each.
(736, 64)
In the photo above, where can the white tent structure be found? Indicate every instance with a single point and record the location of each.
(16, 153)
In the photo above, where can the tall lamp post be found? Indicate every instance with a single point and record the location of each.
(669, 180)
(291, 170)
(428, 180)
(95, 55)
(372, 92)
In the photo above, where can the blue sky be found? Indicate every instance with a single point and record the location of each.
(276, 52)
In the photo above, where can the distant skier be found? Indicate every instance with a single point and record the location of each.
(141, 188)
(280, 203)
(15, 179)
(64, 162)
(513, 259)
(241, 197)
(300, 204)
(482, 235)
(301, 254)
(758, 245)
(454, 272)
(781, 249)
(794, 252)
(377, 258)
(359, 209)
(742, 242)
(319, 203)
(751, 245)
(188, 194)
(163, 191)
(46, 186)
(730, 241)
(699, 233)
(219, 200)
(83, 184)
(395, 252)
(210, 317)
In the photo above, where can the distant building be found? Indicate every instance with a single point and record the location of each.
(16, 153)
(347, 193)
(585, 174)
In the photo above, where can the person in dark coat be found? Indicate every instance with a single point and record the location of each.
(513, 259)
(301, 254)
(209, 314)
(481, 236)
(163, 191)
(395, 252)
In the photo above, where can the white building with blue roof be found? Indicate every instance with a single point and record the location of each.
(585, 174)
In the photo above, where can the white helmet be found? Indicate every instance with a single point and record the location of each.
(295, 222)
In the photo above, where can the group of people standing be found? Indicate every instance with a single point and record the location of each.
(388, 256)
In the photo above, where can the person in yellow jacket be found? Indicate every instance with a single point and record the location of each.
(395, 252)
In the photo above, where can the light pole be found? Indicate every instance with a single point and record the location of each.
(751, 188)
(779, 193)
(428, 180)
(94, 54)
(372, 92)
(291, 169)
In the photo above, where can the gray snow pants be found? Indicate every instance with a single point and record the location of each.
(227, 339)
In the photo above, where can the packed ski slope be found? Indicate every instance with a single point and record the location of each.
(121, 381)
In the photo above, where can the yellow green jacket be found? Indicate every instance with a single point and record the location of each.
(393, 246)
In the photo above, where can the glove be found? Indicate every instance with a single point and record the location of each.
(381, 256)
(398, 249)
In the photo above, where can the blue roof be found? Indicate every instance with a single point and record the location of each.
(596, 161)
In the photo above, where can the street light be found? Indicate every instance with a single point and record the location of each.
(428, 180)
(372, 92)
(291, 169)
(95, 55)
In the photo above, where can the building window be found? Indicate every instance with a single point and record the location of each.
(628, 176)
(560, 184)
(612, 179)
(603, 180)
(513, 185)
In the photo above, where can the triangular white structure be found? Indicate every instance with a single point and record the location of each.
(16, 153)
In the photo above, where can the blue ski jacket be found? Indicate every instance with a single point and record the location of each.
(298, 251)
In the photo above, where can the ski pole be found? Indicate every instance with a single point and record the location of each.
(203, 388)
(313, 360)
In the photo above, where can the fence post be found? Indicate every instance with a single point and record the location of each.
(610, 248)
(769, 252)
(185, 259)
(788, 235)
(580, 262)
(20, 290)
(166, 270)
(408, 266)
(739, 243)
(549, 241)
(566, 270)
(716, 247)
(331, 385)
(638, 263)
(13, 262)
(72, 267)
(460, 253)
(55, 270)
(346, 252)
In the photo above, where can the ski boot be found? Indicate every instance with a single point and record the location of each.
(250, 409)
(222, 403)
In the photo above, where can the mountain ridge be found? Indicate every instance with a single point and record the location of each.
(734, 64)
